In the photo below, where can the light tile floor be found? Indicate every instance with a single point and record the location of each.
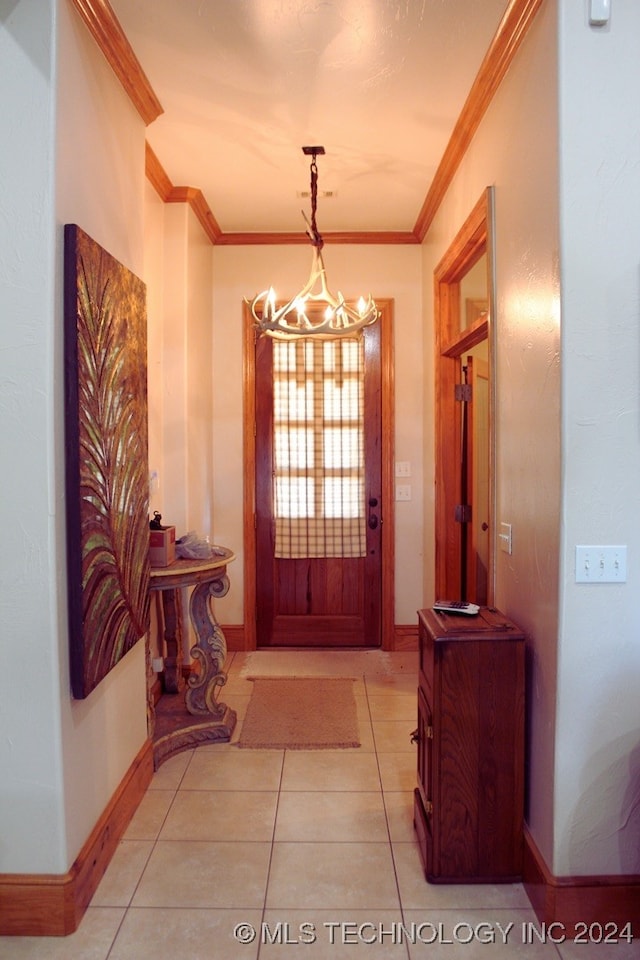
(253, 855)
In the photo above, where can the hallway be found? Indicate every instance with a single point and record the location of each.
(313, 850)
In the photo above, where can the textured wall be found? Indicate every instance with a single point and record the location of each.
(515, 150)
(598, 755)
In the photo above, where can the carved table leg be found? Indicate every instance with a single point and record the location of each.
(210, 651)
(184, 723)
(171, 607)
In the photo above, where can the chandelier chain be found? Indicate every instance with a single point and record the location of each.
(314, 311)
(316, 239)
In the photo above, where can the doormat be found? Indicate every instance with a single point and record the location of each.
(316, 663)
(300, 713)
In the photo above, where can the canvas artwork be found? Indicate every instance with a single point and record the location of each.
(107, 486)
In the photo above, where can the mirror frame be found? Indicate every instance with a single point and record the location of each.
(475, 238)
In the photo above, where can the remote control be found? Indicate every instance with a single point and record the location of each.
(456, 606)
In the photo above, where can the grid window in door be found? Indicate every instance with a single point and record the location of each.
(318, 423)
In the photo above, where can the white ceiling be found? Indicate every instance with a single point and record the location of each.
(246, 83)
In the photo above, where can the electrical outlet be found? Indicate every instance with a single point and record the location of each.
(601, 564)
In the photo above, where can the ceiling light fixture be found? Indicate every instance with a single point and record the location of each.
(315, 311)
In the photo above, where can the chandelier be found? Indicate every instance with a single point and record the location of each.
(314, 311)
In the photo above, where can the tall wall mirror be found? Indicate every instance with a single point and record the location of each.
(465, 515)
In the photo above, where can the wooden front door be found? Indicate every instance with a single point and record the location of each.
(318, 491)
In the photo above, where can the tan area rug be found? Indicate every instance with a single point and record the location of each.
(300, 713)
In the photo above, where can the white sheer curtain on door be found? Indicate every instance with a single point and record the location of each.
(319, 448)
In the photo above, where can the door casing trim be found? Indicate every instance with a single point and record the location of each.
(475, 237)
(387, 455)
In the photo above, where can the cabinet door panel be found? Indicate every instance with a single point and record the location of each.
(457, 732)
(500, 763)
(425, 747)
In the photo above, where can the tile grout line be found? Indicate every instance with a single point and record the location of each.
(154, 844)
(368, 693)
(271, 852)
(386, 817)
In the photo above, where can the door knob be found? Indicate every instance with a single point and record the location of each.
(373, 521)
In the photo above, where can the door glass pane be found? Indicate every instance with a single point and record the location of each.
(318, 447)
(293, 448)
(343, 448)
(342, 497)
(294, 497)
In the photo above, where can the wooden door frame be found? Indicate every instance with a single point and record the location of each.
(387, 455)
(473, 239)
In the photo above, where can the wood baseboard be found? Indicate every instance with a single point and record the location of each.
(52, 905)
(405, 637)
(234, 635)
(571, 901)
(156, 690)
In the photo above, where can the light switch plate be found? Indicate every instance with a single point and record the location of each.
(403, 491)
(601, 564)
(504, 538)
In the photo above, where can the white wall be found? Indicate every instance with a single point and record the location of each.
(178, 271)
(99, 186)
(597, 799)
(154, 209)
(515, 150)
(242, 272)
(31, 793)
(567, 231)
(200, 388)
(76, 155)
(178, 274)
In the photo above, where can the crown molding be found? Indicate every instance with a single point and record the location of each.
(510, 34)
(196, 200)
(105, 28)
(110, 37)
(159, 180)
(155, 174)
(363, 237)
(157, 177)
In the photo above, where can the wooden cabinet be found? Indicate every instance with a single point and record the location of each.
(468, 806)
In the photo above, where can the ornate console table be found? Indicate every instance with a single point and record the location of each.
(189, 714)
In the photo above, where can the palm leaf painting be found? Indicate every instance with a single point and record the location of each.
(106, 459)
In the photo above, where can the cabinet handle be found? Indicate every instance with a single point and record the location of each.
(415, 736)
